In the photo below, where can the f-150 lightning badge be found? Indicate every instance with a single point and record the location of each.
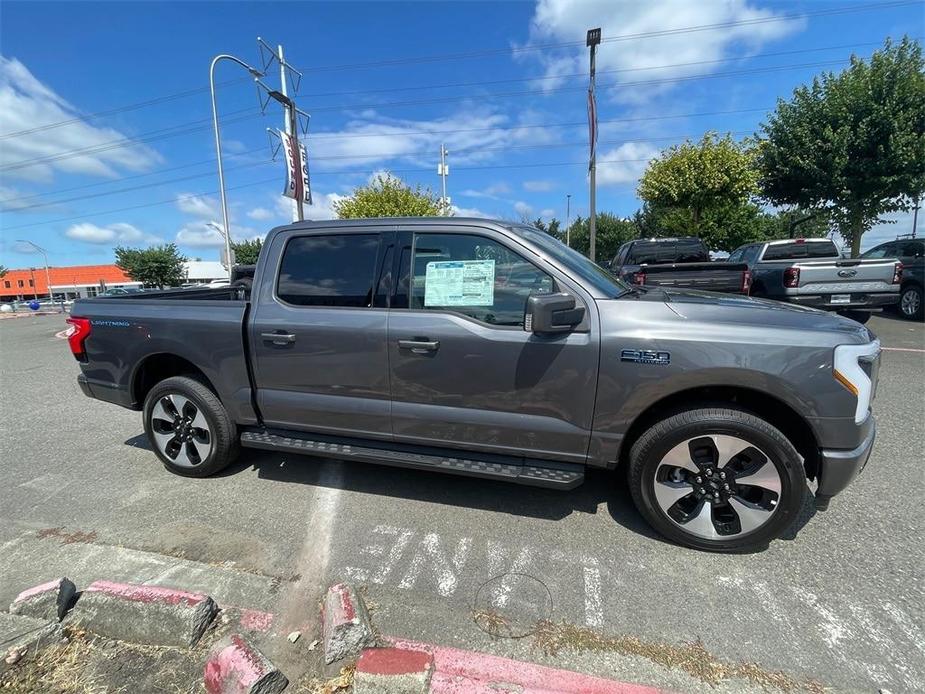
(645, 356)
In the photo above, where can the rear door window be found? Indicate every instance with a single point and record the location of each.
(884, 250)
(796, 250)
(330, 270)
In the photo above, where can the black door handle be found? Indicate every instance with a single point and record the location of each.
(279, 338)
(419, 346)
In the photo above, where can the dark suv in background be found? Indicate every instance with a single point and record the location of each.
(911, 253)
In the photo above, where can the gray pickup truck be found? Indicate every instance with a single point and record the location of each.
(491, 349)
(811, 272)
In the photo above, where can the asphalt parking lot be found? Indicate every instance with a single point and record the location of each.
(842, 602)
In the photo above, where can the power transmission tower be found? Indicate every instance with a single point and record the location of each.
(443, 169)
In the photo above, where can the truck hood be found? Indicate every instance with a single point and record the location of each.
(732, 314)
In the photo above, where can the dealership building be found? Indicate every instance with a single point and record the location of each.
(81, 281)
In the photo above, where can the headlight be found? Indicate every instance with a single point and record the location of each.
(848, 371)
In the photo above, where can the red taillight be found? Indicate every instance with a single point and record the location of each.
(80, 331)
(746, 282)
(639, 277)
(897, 273)
(792, 277)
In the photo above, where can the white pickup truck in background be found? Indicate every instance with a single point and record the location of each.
(811, 272)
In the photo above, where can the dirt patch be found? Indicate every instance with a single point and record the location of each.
(336, 685)
(87, 664)
(66, 538)
(692, 658)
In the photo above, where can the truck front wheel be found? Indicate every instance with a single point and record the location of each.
(717, 479)
(188, 427)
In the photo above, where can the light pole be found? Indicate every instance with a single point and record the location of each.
(218, 143)
(568, 215)
(41, 250)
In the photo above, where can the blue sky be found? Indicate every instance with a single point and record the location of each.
(385, 83)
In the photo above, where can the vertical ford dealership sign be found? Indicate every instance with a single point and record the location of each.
(298, 186)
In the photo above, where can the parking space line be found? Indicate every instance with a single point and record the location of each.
(901, 349)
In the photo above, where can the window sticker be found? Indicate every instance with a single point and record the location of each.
(460, 283)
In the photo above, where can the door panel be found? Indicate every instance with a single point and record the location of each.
(320, 352)
(465, 373)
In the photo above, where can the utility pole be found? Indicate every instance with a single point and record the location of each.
(443, 169)
(568, 216)
(915, 215)
(289, 117)
(47, 274)
(593, 39)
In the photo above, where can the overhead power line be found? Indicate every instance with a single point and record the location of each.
(189, 128)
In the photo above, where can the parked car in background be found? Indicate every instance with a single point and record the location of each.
(911, 253)
(678, 262)
(493, 350)
(811, 272)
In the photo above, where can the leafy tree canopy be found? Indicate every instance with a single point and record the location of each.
(551, 227)
(388, 196)
(695, 180)
(851, 143)
(246, 252)
(158, 266)
(611, 231)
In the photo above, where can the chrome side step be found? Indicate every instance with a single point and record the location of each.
(538, 473)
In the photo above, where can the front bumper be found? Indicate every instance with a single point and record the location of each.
(838, 468)
(858, 301)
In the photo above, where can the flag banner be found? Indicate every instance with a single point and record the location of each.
(592, 125)
(298, 186)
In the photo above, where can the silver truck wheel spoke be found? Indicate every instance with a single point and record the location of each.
(702, 524)
(751, 516)
(669, 493)
(727, 448)
(680, 456)
(765, 477)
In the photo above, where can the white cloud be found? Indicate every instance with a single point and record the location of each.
(624, 164)
(261, 214)
(198, 205)
(200, 235)
(539, 186)
(548, 213)
(892, 225)
(26, 104)
(522, 208)
(468, 212)
(642, 59)
(120, 232)
(12, 200)
(370, 139)
(323, 207)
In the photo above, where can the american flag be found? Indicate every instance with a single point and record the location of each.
(592, 125)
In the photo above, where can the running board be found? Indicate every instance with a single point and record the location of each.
(537, 473)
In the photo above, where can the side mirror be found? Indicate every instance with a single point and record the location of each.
(552, 313)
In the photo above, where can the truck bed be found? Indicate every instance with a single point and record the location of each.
(711, 276)
(131, 331)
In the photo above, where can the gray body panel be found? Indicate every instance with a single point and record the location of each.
(568, 397)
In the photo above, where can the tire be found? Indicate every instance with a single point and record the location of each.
(910, 304)
(199, 444)
(746, 516)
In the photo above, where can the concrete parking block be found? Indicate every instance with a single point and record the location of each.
(49, 601)
(144, 614)
(345, 623)
(235, 666)
(24, 637)
(393, 671)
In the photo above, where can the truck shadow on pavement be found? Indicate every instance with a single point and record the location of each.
(601, 487)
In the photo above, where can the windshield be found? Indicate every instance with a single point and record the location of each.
(590, 272)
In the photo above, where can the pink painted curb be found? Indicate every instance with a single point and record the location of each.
(235, 666)
(344, 623)
(143, 593)
(49, 601)
(467, 672)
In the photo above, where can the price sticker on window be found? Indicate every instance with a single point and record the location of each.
(459, 283)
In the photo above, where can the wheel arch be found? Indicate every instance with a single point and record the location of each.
(156, 367)
(770, 408)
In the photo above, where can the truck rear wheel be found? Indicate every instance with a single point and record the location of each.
(717, 479)
(188, 427)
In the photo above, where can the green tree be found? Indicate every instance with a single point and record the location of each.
(551, 227)
(3, 271)
(246, 252)
(691, 183)
(612, 231)
(388, 196)
(852, 143)
(158, 266)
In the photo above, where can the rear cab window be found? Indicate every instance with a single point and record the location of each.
(328, 270)
(798, 250)
(658, 252)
